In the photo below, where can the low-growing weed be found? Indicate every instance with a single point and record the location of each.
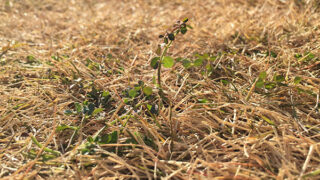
(167, 61)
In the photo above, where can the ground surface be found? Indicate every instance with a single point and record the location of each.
(249, 110)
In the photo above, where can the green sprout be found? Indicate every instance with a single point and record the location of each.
(162, 59)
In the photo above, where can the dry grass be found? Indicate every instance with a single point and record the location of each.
(240, 131)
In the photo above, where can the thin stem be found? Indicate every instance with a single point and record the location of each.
(56, 153)
(164, 52)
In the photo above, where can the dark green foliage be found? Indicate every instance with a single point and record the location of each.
(171, 36)
(155, 62)
(260, 83)
(132, 93)
(279, 78)
(97, 101)
(32, 60)
(262, 75)
(272, 54)
(93, 143)
(186, 63)
(198, 62)
(297, 80)
(165, 40)
(184, 30)
(107, 138)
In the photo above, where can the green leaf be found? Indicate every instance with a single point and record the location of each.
(205, 56)
(171, 36)
(297, 56)
(270, 85)
(198, 55)
(185, 20)
(260, 83)
(213, 58)
(149, 106)
(168, 62)
(165, 40)
(225, 82)
(96, 111)
(68, 112)
(297, 80)
(198, 62)
(90, 139)
(109, 138)
(154, 62)
(300, 90)
(91, 108)
(279, 78)
(63, 127)
(209, 68)
(147, 90)
(262, 75)
(78, 107)
(203, 100)
(31, 59)
(178, 59)
(272, 54)
(137, 87)
(132, 93)
(183, 30)
(186, 63)
(126, 100)
(310, 56)
(86, 102)
(105, 93)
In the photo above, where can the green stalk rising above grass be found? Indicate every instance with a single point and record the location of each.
(162, 59)
(167, 62)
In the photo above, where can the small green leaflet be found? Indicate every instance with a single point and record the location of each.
(171, 36)
(147, 90)
(168, 62)
(154, 62)
(279, 78)
(183, 30)
(198, 62)
(262, 75)
(186, 63)
(132, 93)
(96, 111)
(259, 83)
(63, 127)
(297, 80)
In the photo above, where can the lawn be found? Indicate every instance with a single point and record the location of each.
(180, 89)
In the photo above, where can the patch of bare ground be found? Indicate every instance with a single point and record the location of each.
(71, 107)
